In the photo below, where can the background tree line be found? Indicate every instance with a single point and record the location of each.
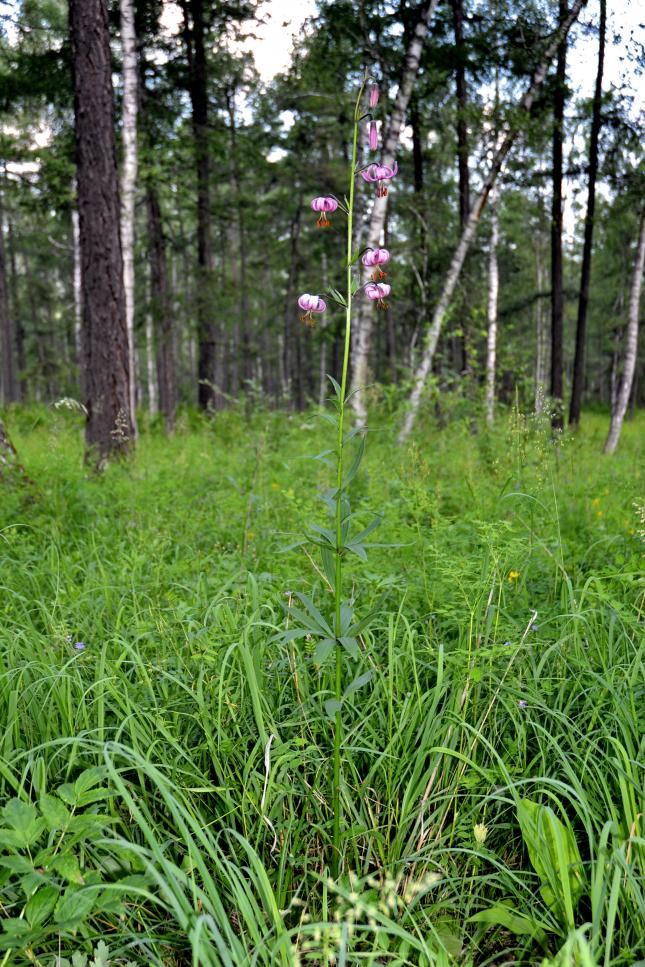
(156, 222)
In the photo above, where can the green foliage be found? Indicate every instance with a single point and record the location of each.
(179, 764)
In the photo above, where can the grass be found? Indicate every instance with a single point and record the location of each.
(166, 787)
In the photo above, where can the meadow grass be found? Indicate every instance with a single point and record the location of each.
(166, 786)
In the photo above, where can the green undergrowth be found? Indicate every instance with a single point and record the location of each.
(164, 789)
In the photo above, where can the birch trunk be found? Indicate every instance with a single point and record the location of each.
(151, 375)
(78, 303)
(493, 289)
(624, 391)
(364, 319)
(508, 138)
(129, 180)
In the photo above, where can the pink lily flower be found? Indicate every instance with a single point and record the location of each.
(373, 136)
(323, 205)
(379, 173)
(374, 258)
(377, 292)
(373, 95)
(310, 304)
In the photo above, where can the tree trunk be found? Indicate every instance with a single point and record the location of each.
(109, 430)
(364, 317)
(243, 300)
(151, 368)
(16, 313)
(542, 355)
(585, 272)
(493, 288)
(9, 383)
(78, 291)
(161, 311)
(624, 391)
(129, 180)
(10, 466)
(462, 347)
(470, 230)
(557, 304)
(194, 36)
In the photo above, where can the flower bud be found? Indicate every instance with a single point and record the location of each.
(373, 136)
(373, 95)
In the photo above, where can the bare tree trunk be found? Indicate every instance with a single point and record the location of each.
(543, 354)
(78, 289)
(243, 296)
(208, 365)
(585, 272)
(462, 343)
(364, 316)
(290, 346)
(432, 336)
(109, 430)
(9, 383)
(622, 399)
(16, 314)
(10, 466)
(161, 312)
(557, 302)
(129, 181)
(493, 288)
(151, 373)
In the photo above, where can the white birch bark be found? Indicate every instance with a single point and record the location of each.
(151, 369)
(622, 399)
(470, 229)
(364, 318)
(78, 288)
(493, 289)
(129, 178)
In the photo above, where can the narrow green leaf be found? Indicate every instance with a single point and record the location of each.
(323, 650)
(358, 683)
(332, 705)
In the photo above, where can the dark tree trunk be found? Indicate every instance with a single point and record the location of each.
(462, 354)
(109, 429)
(9, 382)
(10, 466)
(291, 346)
(557, 305)
(194, 37)
(585, 273)
(16, 315)
(417, 145)
(161, 310)
(243, 297)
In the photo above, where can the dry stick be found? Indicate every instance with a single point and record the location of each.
(470, 230)
(618, 413)
(364, 319)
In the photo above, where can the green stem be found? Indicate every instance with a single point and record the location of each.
(338, 583)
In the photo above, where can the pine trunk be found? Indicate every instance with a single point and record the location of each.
(129, 180)
(161, 312)
(364, 317)
(9, 384)
(109, 429)
(585, 272)
(557, 303)
(627, 379)
(432, 336)
(208, 370)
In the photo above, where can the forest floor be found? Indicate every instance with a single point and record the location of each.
(493, 783)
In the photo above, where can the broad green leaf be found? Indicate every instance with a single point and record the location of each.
(67, 866)
(554, 855)
(89, 778)
(15, 927)
(74, 906)
(24, 822)
(518, 923)
(17, 864)
(55, 813)
(41, 904)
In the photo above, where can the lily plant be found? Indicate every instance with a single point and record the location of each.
(336, 634)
